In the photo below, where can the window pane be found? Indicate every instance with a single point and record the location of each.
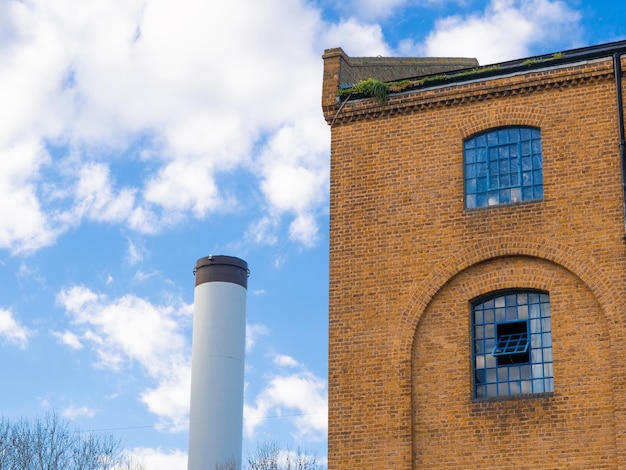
(527, 193)
(505, 196)
(522, 312)
(481, 185)
(516, 194)
(489, 315)
(478, 334)
(470, 186)
(493, 198)
(500, 315)
(547, 354)
(547, 369)
(511, 313)
(535, 341)
(524, 133)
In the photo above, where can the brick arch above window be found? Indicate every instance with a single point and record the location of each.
(500, 117)
(575, 261)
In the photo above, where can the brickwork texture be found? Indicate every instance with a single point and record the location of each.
(407, 259)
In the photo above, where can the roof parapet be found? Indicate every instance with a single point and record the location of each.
(341, 70)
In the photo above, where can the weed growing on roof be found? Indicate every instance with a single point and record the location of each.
(378, 89)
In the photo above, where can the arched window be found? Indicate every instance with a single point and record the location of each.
(512, 344)
(503, 166)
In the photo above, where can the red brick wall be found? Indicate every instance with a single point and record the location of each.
(406, 259)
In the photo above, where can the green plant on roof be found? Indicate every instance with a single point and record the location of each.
(536, 60)
(378, 89)
(371, 88)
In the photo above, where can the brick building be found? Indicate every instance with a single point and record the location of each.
(477, 262)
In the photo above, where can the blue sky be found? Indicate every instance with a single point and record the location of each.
(137, 136)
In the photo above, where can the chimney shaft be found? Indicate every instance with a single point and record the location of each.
(217, 363)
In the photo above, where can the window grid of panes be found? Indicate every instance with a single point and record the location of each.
(493, 376)
(503, 166)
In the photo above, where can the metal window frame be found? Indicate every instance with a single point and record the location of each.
(493, 378)
(496, 193)
(510, 344)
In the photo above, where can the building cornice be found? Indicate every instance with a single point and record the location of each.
(481, 89)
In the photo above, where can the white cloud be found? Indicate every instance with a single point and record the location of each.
(170, 398)
(23, 226)
(253, 332)
(130, 330)
(12, 331)
(135, 253)
(68, 338)
(143, 276)
(279, 261)
(283, 360)
(263, 231)
(507, 29)
(304, 229)
(159, 459)
(72, 412)
(357, 38)
(104, 83)
(300, 396)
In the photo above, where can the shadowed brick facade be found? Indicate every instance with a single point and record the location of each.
(408, 260)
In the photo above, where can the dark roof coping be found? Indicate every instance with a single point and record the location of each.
(389, 69)
(516, 66)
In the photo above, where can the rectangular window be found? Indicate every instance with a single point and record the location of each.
(503, 166)
(512, 344)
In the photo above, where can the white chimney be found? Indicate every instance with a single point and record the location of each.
(217, 363)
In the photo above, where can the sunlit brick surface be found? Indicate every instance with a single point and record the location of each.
(407, 259)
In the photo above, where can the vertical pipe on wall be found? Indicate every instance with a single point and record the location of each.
(617, 66)
(217, 363)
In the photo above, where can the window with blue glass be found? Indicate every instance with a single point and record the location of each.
(512, 344)
(503, 166)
